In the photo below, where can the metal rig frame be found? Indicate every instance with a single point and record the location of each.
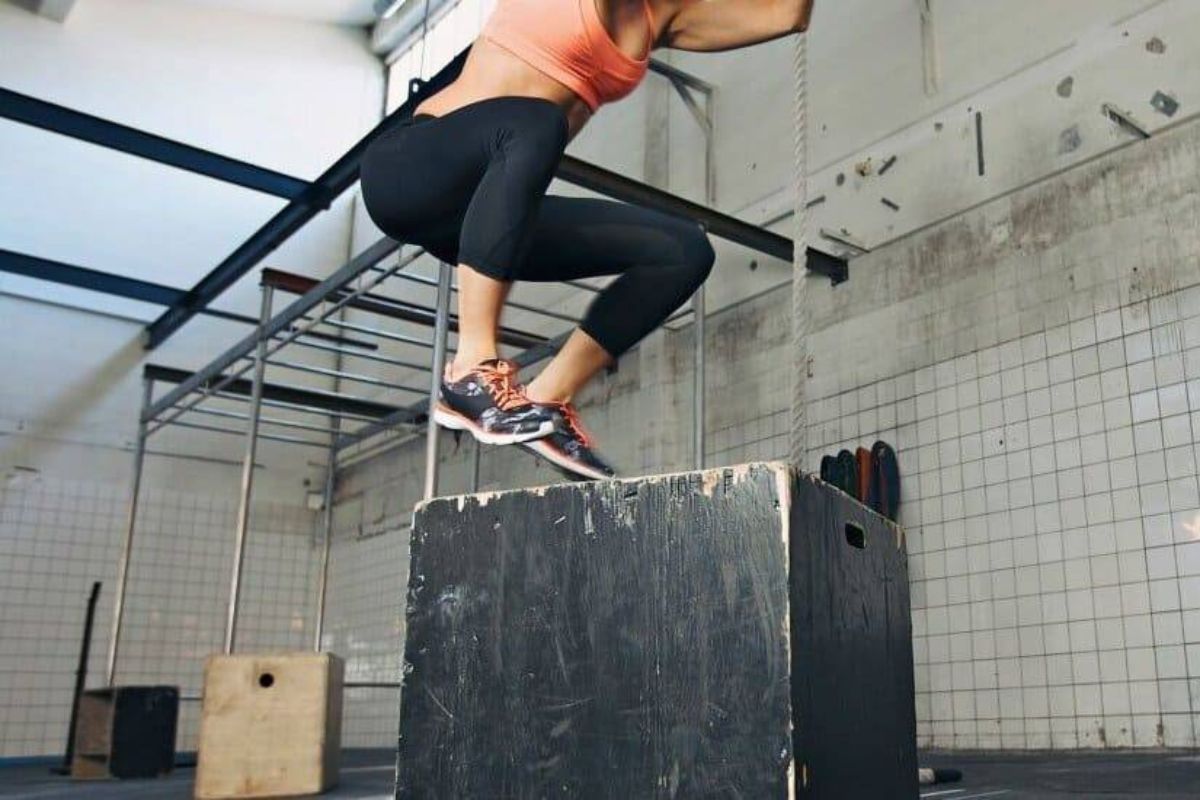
(335, 421)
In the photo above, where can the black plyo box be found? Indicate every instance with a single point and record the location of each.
(738, 632)
(126, 732)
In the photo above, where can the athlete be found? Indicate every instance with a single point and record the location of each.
(466, 179)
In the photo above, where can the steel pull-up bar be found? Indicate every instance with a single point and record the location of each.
(390, 307)
(279, 323)
(344, 173)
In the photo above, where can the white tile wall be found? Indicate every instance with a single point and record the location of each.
(1036, 363)
(364, 621)
(58, 536)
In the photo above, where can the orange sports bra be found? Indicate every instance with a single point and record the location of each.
(567, 40)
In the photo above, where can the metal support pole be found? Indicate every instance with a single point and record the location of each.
(327, 542)
(475, 459)
(698, 389)
(243, 517)
(698, 309)
(327, 517)
(139, 459)
(440, 330)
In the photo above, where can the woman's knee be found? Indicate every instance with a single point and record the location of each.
(697, 253)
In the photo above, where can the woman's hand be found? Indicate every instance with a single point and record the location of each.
(711, 25)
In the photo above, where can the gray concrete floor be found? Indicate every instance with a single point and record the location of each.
(367, 774)
(1173, 775)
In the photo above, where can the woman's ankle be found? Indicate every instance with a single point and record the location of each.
(465, 362)
(538, 393)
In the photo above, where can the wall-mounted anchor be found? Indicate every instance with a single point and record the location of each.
(1125, 120)
(1164, 104)
(845, 237)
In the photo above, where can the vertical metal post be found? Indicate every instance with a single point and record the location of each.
(475, 458)
(243, 517)
(698, 388)
(327, 542)
(440, 330)
(335, 424)
(698, 306)
(139, 459)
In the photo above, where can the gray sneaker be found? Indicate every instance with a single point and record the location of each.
(569, 447)
(489, 404)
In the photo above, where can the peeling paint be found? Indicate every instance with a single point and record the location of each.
(709, 480)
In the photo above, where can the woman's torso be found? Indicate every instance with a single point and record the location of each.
(492, 70)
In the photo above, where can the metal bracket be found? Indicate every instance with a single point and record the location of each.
(1125, 120)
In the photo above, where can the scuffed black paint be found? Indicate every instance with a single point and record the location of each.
(852, 664)
(630, 640)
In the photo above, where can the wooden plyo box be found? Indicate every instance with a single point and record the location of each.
(271, 725)
(739, 632)
(126, 732)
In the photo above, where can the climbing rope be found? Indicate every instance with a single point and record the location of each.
(800, 312)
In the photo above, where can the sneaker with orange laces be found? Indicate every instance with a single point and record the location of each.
(569, 447)
(489, 404)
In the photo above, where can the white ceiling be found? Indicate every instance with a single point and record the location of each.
(341, 12)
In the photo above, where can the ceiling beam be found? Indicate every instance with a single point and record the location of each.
(43, 269)
(122, 138)
(293, 216)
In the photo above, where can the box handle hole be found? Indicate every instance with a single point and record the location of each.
(266, 680)
(856, 536)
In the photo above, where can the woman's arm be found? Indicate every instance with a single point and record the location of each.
(710, 25)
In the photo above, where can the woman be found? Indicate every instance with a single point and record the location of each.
(465, 178)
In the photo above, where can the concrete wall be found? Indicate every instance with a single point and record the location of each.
(1036, 77)
(1036, 385)
(287, 95)
(1032, 360)
(1030, 633)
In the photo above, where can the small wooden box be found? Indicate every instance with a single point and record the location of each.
(126, 732)
(271, 725)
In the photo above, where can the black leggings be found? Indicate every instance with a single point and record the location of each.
(470, 187)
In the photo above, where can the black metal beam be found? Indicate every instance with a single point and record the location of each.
(313, 398)
(618, 187)
(104, 282)
(82, 278)
(133, 289)
(105, 133)
(295, 215)
(344, 173)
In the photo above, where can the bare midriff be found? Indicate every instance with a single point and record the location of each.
(491, 71)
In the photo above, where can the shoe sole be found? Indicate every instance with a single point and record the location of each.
(454, 421)
(556, 457)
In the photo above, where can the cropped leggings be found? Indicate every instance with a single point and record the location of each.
(470, 188)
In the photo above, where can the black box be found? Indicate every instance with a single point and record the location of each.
(739, 632)
(126, 732)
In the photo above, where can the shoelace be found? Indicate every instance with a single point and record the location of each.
(505, 391)
(574, 423)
